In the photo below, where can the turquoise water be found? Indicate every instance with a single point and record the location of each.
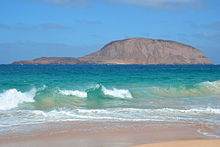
(37, 93)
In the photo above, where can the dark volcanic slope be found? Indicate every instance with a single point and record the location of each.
(135, 51)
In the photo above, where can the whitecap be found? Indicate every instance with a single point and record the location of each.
(76, 93)
(120, 93)
(12, 98)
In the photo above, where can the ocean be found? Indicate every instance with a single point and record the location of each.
(31, 94)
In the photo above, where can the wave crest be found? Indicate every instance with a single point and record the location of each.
(199, 90)
(121, 93)
(12, 98)
(76, 93)
(98, 90)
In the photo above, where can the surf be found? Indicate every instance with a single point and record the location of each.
(12, 98)
(99, 91)
(202, 89)
(76, 93)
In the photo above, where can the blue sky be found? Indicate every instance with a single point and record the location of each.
(73, 28)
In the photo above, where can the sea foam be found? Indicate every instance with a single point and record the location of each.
(117, 93)
(131, 114)
(76, 93)
(12, 98)
(210, 115)
(120, 93)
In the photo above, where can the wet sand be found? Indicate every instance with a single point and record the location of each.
(186, 143)
(100, 134)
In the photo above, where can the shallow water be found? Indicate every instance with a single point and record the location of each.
(49, 93)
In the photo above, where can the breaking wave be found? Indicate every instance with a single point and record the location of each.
(76, 93)
(198, 90)
(121, 93)
(12, 98)
(98, 90)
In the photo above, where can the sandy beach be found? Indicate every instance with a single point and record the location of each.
(186, 143)
(105, 134)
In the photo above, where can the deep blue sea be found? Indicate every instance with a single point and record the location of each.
(50, 93)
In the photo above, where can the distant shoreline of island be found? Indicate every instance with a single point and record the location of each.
(134, 51)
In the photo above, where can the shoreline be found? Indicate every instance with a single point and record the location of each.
(101, 133)
(184, 143)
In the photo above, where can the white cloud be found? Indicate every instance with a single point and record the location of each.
(213, 26)
(152, 4)
(163, 4)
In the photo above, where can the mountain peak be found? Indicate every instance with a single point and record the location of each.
(135, 51)
(146, 51)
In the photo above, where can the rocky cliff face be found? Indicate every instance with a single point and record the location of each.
(135, 51)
